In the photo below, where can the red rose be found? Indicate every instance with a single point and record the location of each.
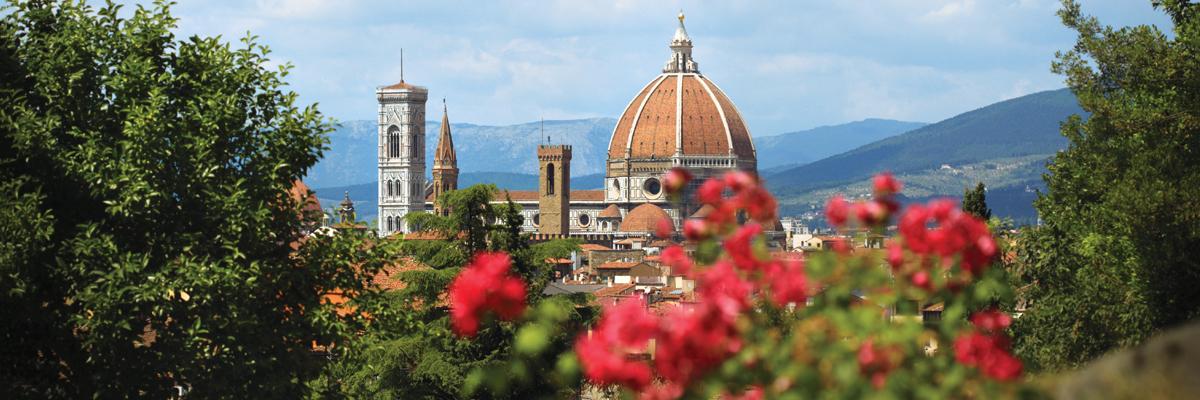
(677, 259)
(788, 282)
(921, 280)
(696, 229)
(664, 228)
(711, 191)
(991, 320)
(739, 181)
(676, 179)
(886, 184)
(485, 286)
(895, 255)
(740, 247)
(837, 211)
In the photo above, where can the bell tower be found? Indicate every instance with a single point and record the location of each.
(401, 154)
(445, 163)
(554, 189)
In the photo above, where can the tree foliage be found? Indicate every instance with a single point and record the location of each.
(147, 235)
(408, 349)
(1118, 256)
(975, 202)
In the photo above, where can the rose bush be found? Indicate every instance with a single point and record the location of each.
(850, 322)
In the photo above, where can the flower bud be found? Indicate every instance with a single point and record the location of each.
(886, 184)
(696, 229)
(837, 211)
(676, 179)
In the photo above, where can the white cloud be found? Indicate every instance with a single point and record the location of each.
(953, 9)
(788, 65)
(298, 9)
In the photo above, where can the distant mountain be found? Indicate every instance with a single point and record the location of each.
(797, 148)
(512, 149)
(1005, 145)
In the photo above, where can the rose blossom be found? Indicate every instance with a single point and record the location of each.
(485, 286)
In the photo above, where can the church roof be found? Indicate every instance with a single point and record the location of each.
(532, 195)
(703, 211)
(680, 113)
(644, 218)
(443, 156)
(401, 86)
(610, 212)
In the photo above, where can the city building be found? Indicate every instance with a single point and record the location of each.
(679, 119)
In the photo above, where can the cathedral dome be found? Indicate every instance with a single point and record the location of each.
(680, 113)
(644, 218)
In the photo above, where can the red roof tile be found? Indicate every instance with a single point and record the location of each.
(614, 290)
(592, 247)
(617, 265)
(644, 218)
(532, 195)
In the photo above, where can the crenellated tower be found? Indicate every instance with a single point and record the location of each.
(554, 189)
(445, 163)
(401, 154)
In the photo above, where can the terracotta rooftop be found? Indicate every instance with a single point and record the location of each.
(661, 243)
(388, 278)
(617, 265)
(300, 192)
(402, 86)
(703, 211)
(644, 218)
(610, 212)
(614, 290)
(687, 107)
(592, 247)
(532, 195)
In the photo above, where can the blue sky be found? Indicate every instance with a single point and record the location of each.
(788, 65)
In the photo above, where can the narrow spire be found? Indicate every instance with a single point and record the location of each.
(402, 58)
(444, 156)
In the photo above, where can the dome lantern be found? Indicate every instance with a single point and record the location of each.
(681, 52)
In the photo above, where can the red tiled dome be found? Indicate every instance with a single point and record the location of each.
(644, 218)
(610, 212)
(684, 113)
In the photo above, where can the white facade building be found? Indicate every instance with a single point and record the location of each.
(401, 154)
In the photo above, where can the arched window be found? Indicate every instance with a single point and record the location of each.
(390, 188)
(549, 178)
(390, 226)
(393, 145)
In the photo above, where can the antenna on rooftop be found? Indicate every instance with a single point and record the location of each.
(401, 65)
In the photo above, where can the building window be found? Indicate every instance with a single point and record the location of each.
(549, 179)
(390, 226)
(393, 145)
(584, 219)
(537, 219)
(391, 187)
(652, 186)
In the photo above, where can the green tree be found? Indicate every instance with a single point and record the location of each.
(409, 351)
(147, 235)
(975, 202)
(1118, 256)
